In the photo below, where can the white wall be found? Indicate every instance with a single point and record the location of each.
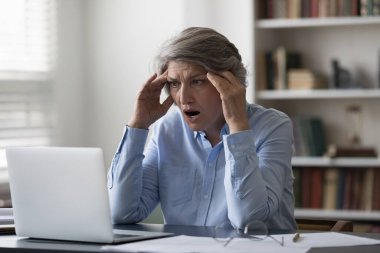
(68, 93)
(122, 37)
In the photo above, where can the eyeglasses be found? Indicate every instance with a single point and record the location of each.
(254, 231)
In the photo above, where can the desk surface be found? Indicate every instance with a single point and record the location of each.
(10, 243)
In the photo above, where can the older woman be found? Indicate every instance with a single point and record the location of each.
(212, 159)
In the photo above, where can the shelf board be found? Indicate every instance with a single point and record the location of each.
(353, 215)
(335, 162)
(316, 22)
(318, 94)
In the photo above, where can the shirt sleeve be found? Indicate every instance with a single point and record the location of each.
(256, 170)
(131, 199)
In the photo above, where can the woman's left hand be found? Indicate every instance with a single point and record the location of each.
(232, 94)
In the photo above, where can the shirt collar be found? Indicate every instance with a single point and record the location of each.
(225, 129)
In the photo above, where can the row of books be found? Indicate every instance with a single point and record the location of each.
(280, 9)
(309, 136)
(281, 69)
(337, 188)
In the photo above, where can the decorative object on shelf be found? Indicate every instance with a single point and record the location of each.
(354, 121)
(341, 77)
(354, 146)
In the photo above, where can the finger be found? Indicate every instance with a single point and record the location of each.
(150, 80)
(151, 87)
(217, 80)
(229, 76)
(160, 80)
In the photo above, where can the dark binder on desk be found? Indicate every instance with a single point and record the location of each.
(7, 229)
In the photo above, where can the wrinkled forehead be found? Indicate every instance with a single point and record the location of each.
(183, 69)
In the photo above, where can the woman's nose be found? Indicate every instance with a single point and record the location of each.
(185, 94)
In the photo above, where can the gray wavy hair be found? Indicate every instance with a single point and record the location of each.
(205, 47)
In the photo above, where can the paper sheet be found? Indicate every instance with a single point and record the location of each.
(187, 244)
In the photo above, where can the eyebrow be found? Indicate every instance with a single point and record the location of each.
(191, 77)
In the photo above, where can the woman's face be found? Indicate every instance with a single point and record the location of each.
(195, 95)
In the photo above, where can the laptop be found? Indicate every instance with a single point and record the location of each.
(60, 193)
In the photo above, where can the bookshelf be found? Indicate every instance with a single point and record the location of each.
(318, 94)
(353, 40)
(335, 162)
(316, 22)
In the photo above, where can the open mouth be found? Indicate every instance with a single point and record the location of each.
(191, 113)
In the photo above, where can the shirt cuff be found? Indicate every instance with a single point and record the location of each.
(133, 140)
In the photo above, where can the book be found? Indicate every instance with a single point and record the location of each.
(297, 187)
(330, 188)
(341, 188)
(316, 192)
(355, 7)
(306, 187)
(357, 185)
(376, 7)
(363, 7)
(306, 8)
(294, 8)
(347, 194)
(280, 9)
(318, 136)
(276, 64)
(314, 8)
(378, 68)
(334, 151)
(309, 136)
(369, 7)
(368, 185)
(376, 191)
(305, 79)
(347, 8)
(280, 79)
(323, 8)
(285, 61)
(269, 67)
(261, 71)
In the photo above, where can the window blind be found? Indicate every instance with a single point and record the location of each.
(27, 39)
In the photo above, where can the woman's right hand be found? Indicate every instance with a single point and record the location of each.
(148, 107)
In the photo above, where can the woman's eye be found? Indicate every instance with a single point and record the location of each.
(173, 84)
(197, 82)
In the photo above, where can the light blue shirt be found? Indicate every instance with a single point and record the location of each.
(245, 177)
